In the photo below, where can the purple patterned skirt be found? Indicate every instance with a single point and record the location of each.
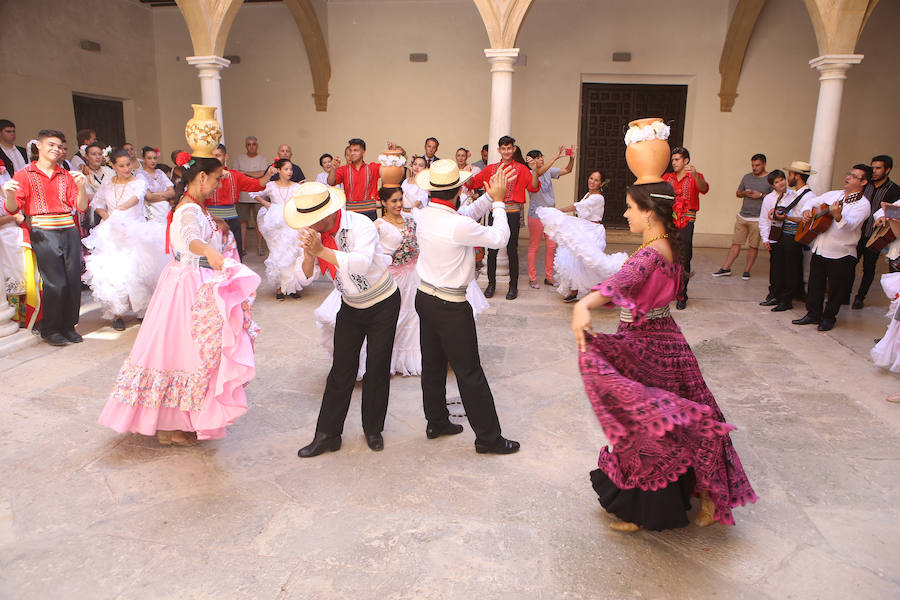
(664, 425)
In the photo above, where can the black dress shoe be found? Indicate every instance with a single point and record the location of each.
(858, 303)
(295, 295)
(681, 304)
(375, 441)
(501, 446)
(118, 324)
(439, 429)
(513, 293)
(56, 339)
(279, 296)
(826, 325)
(321, 443)
(769, 302)
(73, 336)
(782, 307)
(805, 320)
(489, 290)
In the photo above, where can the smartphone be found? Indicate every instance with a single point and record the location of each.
(569, 151)
(892, 212)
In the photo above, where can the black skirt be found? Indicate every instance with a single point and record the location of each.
(665, 508)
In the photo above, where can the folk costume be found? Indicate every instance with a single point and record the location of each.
(224, 204)
(280, 239)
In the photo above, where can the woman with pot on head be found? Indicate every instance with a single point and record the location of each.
(669, 438)
(397, 241)
(184, 378)
(580, 261)
(126, 252)
(160, 190)
(280, 239)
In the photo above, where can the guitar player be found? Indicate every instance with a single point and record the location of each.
(834, 250)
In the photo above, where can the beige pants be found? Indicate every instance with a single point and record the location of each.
(745, 231)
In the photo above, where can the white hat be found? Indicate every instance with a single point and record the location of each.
(444, 174)
(312, 202)
(798, 166)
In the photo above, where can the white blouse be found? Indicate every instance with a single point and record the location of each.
(157, 183)
(190, 223)
(412, 194)
(277, 194)
(112, 195)
(590, 207)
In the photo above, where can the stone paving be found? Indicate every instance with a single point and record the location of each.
(87, 513)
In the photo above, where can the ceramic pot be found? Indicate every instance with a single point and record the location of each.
(202, 131)
(648, 159)
(392, 177)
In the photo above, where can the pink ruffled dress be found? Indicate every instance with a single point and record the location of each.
(194, 352)
(669, 438)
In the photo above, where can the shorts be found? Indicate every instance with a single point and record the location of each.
(247, 213)
(746, 231)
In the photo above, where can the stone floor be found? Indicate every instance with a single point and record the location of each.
(87, 513)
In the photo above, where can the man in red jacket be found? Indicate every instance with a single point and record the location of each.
(223, 204)
(526, 179)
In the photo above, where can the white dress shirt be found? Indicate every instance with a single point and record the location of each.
(447, 239)
(769, 203)
(841, 238)
(15, 157)
(892, 251)
(362, 277)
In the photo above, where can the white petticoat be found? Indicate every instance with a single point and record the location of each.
(886, 353)
(283, 248)
(12, 257)
(580, 261)
(406, 358)
(127, 257)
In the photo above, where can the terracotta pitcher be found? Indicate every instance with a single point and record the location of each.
(647, 159)
(202, 131)
(392, 177)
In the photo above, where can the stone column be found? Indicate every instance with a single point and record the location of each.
(501, 60)
(209, 71)
(832, 73)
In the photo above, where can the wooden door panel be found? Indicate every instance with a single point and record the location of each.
(106, 117)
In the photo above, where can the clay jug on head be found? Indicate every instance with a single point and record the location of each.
(392, 177)
(647, 159)
(202, 131)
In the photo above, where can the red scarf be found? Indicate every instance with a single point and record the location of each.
(328, 242)
(447, 203)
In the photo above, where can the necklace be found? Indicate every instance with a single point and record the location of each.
(662, 236)
(118, 194)
(287, 190)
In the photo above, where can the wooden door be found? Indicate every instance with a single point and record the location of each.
(606, 109)
(106, 117)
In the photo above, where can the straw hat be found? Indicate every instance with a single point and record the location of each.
(312, 202)
(798, 166)
(443, 175)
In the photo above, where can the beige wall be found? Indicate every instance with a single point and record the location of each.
(43, 64)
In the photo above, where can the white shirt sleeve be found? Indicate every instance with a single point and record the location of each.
(191, 228)
(99, 200)
(302, 279)
(476, 209)
(471, 233)
(365, 245)
(854, 214)
(765, 225)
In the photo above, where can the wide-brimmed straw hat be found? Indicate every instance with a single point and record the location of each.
(444, 174)
(798, 166)
(312, 202)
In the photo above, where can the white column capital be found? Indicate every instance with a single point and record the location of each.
(502, 59)
(834, 66)
(211, 62)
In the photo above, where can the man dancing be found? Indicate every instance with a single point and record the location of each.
(447, 333)
(346, 246)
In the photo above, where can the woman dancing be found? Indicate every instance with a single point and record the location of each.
(397, 235)
(669, 438)
(580, 260)
(126, 251)
(281, 239)
(184, 379)
(160, 189)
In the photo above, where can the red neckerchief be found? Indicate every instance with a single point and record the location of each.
(328, 242)
(448, 203)
(169, 222)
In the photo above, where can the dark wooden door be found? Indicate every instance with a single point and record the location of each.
(106, 117)
(606, 109)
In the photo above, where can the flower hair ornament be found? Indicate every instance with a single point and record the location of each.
(183, 159)
(656, 131)
(106, 152)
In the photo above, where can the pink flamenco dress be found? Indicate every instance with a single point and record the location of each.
(194, 352)
(669, 438)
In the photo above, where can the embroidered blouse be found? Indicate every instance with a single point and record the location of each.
(645, 282)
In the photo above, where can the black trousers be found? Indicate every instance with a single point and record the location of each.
(786, 270)
(447, 336)
(377, 325)
(869, 259)
(686, 235)
(512, 251)
(834, 273)
(58, 255)
(234, 224)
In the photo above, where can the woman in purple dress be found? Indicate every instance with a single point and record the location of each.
(669, 438)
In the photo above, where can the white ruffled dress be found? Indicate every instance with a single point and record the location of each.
(886, 353)
(128, 252)
(403, 248)
(281, 239)
(580, 261)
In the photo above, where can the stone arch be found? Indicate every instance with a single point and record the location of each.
(743, 21)
(503, 20)
(316, 51)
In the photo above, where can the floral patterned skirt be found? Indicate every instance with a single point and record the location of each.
(647, 391)
(192, 356)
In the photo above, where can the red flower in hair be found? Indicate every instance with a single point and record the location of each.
(156, 150)
(2, 168)
(182, 158)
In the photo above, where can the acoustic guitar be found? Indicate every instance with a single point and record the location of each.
(820, 222)
(881, 237)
